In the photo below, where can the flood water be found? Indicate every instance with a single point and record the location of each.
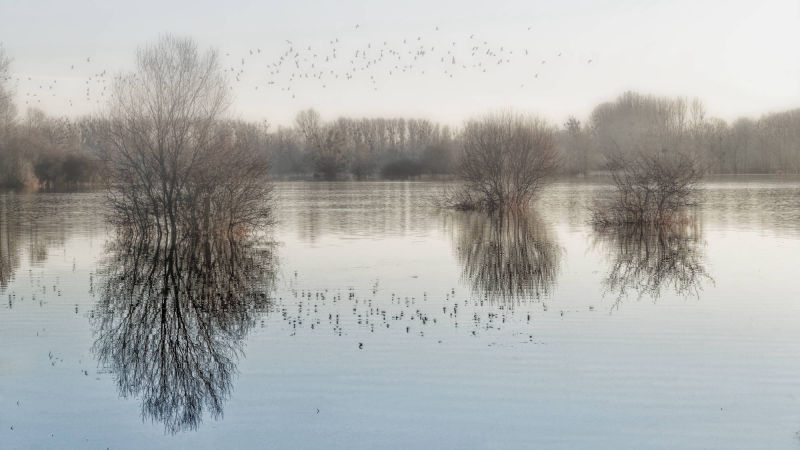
(368, 319)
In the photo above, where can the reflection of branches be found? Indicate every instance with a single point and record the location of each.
(171, 321)
(507, 256)
(649, 260)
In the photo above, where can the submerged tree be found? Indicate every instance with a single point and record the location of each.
(175, 164)
(649, 189)
(172, 318)
(506, 158)
(508, 256)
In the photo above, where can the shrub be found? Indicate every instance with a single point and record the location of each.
(506, 158)
(650, 189)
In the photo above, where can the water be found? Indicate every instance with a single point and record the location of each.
(375, 320)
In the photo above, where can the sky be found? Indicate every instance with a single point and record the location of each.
(741, 58)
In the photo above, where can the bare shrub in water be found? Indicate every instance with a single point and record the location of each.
(506, 158)
(176, 165)
(649, 189)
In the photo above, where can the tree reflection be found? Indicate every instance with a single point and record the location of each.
(9, 244)
(509, 256)
(647, 260)
(31, 226)
(171, 320)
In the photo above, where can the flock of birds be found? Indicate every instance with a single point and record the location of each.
(294, 67)
(354, 312)
(91, 89)
(346, 313)
(356, 315)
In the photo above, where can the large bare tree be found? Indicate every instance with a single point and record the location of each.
(169, 149)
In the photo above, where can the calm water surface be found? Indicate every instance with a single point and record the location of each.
(368, 319)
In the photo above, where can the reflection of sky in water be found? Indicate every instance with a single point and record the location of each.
(452, 369)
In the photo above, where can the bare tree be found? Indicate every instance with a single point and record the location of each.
(230, 188)
(635, 123)
(506, 158)
(649, 189)
(309, 124)
(168, 149)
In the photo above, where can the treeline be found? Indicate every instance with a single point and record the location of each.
(632, 123)
(43, 152)
(39, 151)
(636, 123)
(362, 148)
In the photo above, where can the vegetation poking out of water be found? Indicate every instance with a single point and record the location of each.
(649, 189)
(177, 165)
(506, 160)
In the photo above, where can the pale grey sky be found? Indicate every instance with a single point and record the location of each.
(739, 57)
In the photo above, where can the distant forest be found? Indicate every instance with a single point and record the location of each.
(43, 152)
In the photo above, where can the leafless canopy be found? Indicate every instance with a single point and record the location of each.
(176, 163)
(649, 189)
(506, 159)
